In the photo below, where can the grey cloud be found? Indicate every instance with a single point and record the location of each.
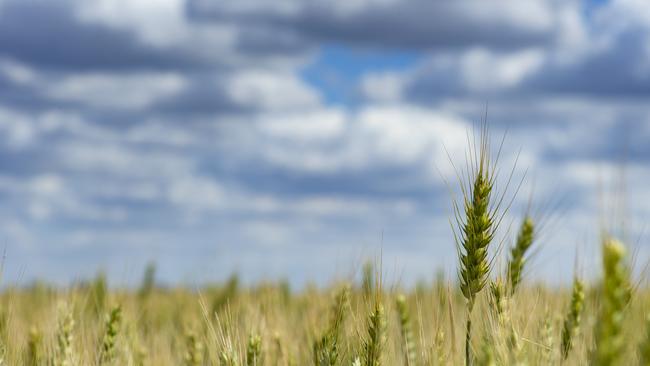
(612, 64)
(418, 24)
(623, 69)
(48, 34)
(204, 96)
(269, 41)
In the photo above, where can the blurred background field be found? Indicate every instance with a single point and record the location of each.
(206, 326)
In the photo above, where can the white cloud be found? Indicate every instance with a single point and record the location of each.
(156, 21)
(16, 71)
(162, 24)
(383, 86)
(17, 129)
(271, 90)
(121, 161)
(131, 92)
(195, 193)
(267, 233)
(405, 134)
(482, 70)
(160, 133)
(373, 136)
(304, 126)
(46, 185)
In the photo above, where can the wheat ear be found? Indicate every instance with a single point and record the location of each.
(113, 323)
(374, 343)
(615, 291)
(517, 260)
(408, 343)
(326, 350)
(254, 351)
(65, 338)
(476, 227)
(573, 317)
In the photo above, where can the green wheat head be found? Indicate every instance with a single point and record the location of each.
(477, 233)
(573, 317)
(326, 350)
(517, 260)
(373, 344)
(548, 340)
(610, 342)
(228, 358)
(113, 323)
(254, 351)
(498, 300)
(65, 338)
(408, 342)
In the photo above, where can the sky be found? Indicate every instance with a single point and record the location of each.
(294, 139)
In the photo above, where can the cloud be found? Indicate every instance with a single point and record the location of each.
(63, 41)
(269, 90)
(306, 126)
(126, 92)
(591, 57)
(394, 24)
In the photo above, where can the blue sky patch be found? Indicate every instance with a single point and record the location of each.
(337, 69)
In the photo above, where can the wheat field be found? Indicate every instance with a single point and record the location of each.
(270, 325)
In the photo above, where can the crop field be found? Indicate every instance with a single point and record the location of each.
(486, 315)
(345, 324)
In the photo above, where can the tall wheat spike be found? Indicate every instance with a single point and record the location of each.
(476, 226)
